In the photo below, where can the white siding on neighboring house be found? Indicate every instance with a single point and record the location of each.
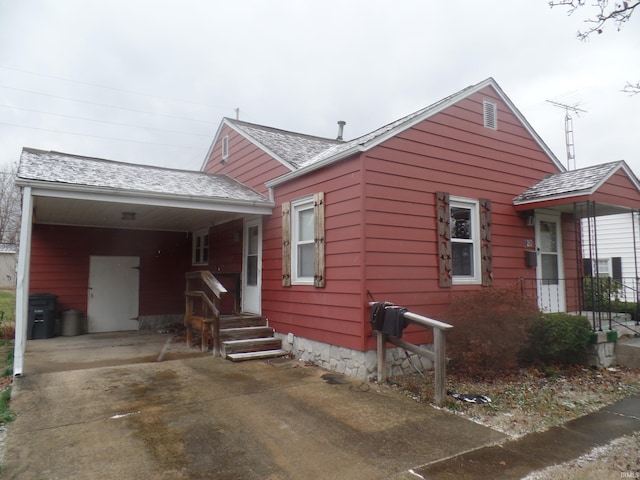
(614, 243)
(8, 259)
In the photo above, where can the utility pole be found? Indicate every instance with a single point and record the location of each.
(568, 131)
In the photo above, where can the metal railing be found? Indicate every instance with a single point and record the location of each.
(604, 301)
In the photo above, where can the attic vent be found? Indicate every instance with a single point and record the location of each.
(490, 113)
(225, 148)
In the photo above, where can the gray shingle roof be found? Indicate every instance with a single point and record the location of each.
(8, 248)
(77, 171)
(301, 150)
(294, 148)
(568, 184)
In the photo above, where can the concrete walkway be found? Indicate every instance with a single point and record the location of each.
(516, 459)
(203, 417)
(104, 407)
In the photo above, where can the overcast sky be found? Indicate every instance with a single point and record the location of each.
(148, 81)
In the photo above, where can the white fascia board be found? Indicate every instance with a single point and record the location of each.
(258, 144)
(213, 143)
(439, 107)
(563, 196)
(195, 203)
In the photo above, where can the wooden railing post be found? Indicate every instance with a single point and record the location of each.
(437, 356)
(382, 357)
(439, 365)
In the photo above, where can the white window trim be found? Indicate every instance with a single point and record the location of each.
(474, 206)
(196, 235)
(305, 203)
(596, 268)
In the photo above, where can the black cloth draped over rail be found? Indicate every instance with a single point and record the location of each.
(388, 318)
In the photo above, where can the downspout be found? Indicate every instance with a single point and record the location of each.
(22, 282)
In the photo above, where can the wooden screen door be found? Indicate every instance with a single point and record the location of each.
(113, 293)
(252, 267)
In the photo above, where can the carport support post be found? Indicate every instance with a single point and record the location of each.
(382, 357)
(22, 282)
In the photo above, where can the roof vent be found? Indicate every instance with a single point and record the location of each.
(341, 124)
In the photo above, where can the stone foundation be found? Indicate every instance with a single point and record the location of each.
(353, 363)
(602, 349)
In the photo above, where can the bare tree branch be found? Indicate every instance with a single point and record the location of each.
(632, 88)
(618, 13)
(9, 207)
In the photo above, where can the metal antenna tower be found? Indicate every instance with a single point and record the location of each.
(568, 131)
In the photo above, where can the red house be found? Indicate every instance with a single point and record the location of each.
(306, 231)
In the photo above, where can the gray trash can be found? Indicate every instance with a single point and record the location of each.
(71, 323)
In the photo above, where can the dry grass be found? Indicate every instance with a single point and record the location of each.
(532, 400)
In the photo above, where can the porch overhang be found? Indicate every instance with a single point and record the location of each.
(575, 206)
(612, 187)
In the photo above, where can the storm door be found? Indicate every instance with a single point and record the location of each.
(252, 267)
(550, 278)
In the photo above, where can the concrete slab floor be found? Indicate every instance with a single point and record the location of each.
(195, 416)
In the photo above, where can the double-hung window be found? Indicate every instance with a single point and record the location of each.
(303, 241)
(200, 255)
(465, 240)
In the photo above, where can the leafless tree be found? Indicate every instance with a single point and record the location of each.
(603, 12)
(9, 207)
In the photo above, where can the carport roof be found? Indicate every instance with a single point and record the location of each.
(71, 171)
(84, 191)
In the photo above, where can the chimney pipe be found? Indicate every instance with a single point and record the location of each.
(341, 124)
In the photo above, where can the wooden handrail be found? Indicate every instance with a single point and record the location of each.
(438, 356)
(217, 289)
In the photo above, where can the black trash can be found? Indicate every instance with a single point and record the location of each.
(42, 316)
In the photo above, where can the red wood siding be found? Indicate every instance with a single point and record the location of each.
(571, 249)
(60, 264)
(452, 152)
(381, 218)
(618, 190)
(332, 314)
(225, 260)
(246, 163)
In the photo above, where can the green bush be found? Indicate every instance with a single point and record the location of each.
(559, 338)
(490, 329)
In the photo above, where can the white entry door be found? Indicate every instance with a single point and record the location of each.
(252, 267)
(113, 294)
(550, 271)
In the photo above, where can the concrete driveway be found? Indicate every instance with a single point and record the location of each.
(104, 407)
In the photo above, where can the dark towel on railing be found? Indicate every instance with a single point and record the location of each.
(377, 315)
(394, 321)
